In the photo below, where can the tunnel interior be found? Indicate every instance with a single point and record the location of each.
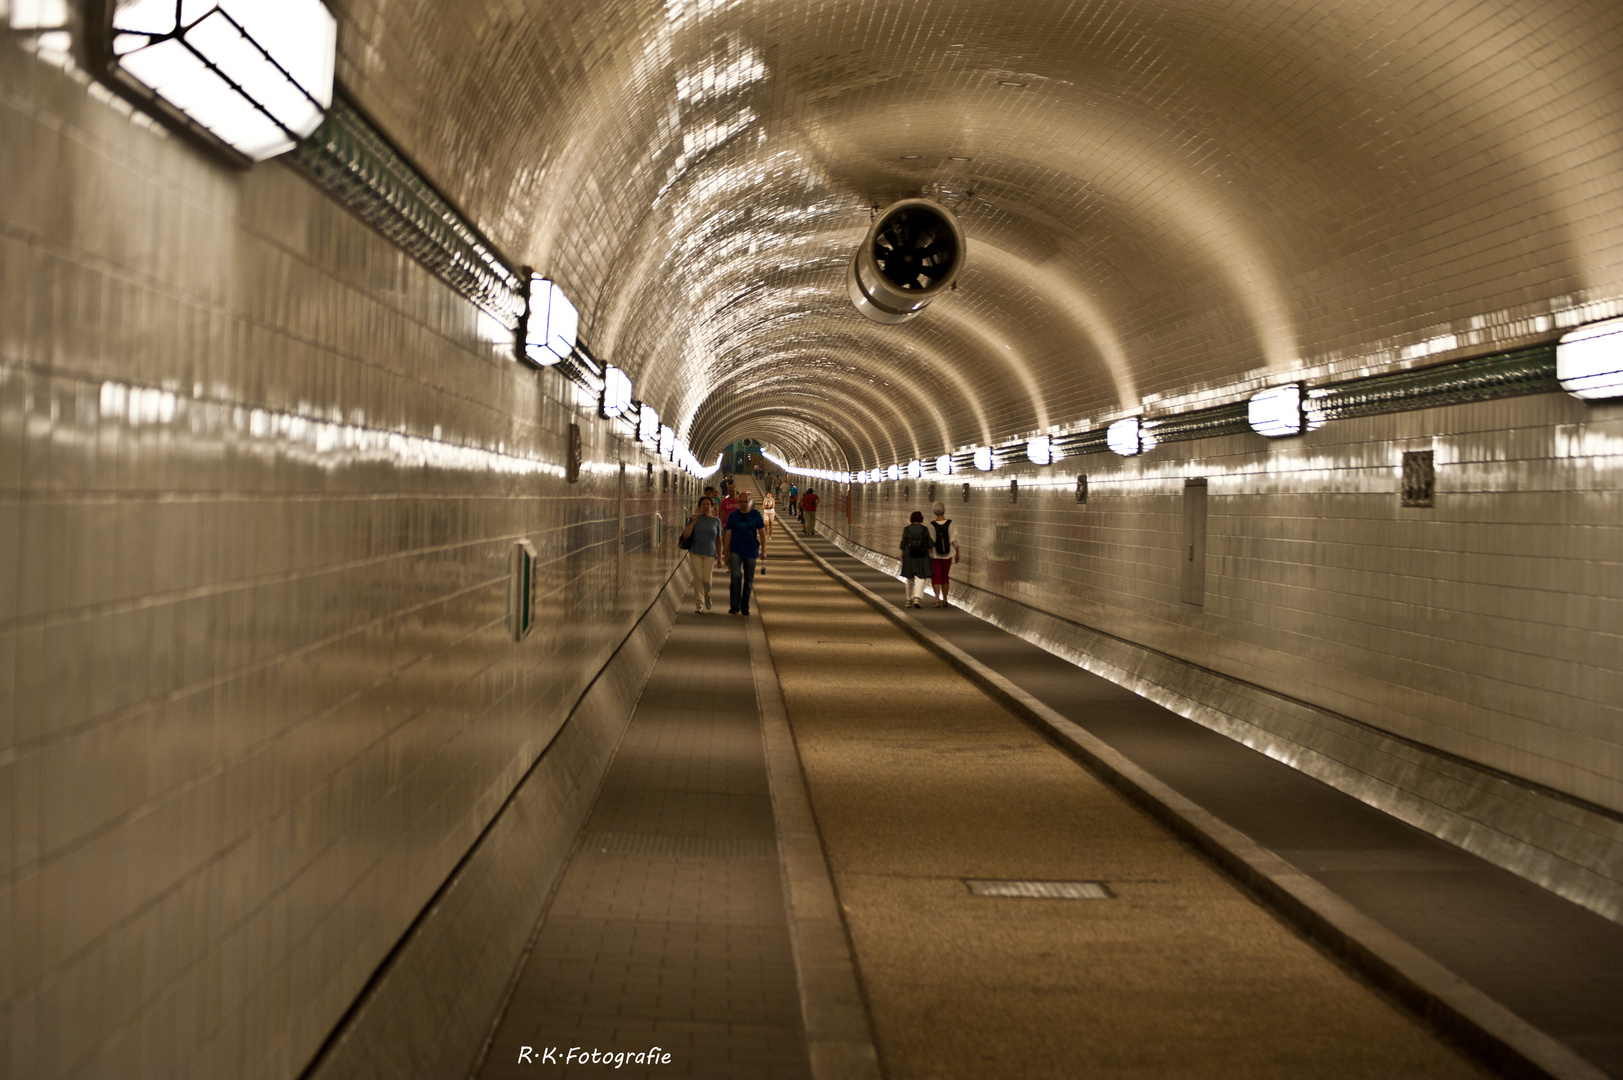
(1249, 396)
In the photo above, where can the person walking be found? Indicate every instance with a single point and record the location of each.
(808, 512)
(769, 512)
(794, 500)
(703, 534)
(742, 540)
(943, 553)
(915, 547)
(729, 503)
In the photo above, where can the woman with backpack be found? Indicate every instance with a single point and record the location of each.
(915, 558)
(943, 553)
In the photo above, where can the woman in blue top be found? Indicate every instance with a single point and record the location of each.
(704, 553)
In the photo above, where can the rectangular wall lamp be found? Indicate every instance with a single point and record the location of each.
(1589, 360)
(250, 77)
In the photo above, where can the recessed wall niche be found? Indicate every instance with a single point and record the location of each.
(1419, 478)
(572, 450)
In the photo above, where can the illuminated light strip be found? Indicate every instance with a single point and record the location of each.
(1484, 378)
(331, 444)
(816, 474)
(698, 469)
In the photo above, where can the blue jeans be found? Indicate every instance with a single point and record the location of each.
(743, 582)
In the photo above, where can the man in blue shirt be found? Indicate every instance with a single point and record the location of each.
(743, 543)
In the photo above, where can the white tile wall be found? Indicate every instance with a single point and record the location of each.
(256, 692)
(1489, 626)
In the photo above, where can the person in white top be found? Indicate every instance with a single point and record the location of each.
(943, 553)
(769, 510)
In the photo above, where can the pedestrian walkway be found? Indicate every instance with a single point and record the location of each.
(950, 825)
(1552, 963)
(668, 927)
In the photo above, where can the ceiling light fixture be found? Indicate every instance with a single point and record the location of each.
(1124, 437)
(616, 392)
(1277, 411)
(552, 325)
(1589, 361)
(943, 464)
(252, 77)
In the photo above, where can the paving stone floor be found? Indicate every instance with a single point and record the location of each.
(920, 783)
(668, 927)
(1556, 964)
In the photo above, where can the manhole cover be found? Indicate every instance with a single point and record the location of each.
(1041, 890)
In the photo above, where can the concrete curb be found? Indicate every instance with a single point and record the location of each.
(832, 1008)
(1486, 1028)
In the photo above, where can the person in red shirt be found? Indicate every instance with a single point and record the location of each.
(729, 503)
(808, 512)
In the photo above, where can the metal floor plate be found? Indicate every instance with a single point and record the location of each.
(1041, 890)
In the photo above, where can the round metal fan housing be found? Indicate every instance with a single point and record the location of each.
(910, 256)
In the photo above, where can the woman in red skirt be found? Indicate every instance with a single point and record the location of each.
(943, 553)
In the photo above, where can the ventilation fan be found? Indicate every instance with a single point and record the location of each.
(911, 255)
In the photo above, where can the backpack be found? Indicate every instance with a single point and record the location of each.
(943, 536)
(918, 542)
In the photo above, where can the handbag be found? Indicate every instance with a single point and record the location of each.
(685, 541)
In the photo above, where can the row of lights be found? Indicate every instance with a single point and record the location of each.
(1589, 365)
(256, 77)
(617, 401)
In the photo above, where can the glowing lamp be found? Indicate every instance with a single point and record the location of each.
(1040, 450)
(894, 472)
(252, 76)
(553, 324)
(648, 425)
(983, 459)
(943, 464)
(667, 442)
(1123, 437)
(915, 469)
(1277, 412)
(616, 392)
(1589, 361)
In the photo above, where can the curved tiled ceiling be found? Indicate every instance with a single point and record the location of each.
(1157, 195)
